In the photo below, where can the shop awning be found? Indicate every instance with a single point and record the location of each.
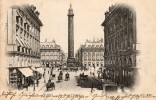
(26, 71)
(24, 44)
(19, 42)
(34, 69)
(28, 45)
(40, 70)
(19, 13)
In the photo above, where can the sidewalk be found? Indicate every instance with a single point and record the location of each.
(126, 90)
(40, 86)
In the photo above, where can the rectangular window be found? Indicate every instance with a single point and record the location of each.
(17, 19)
(21, 22)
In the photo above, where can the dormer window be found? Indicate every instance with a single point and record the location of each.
(51, 46)
(47, 46)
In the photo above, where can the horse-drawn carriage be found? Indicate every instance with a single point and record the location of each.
(50, 85)
(61, 73)
(60, 77)
(67, 77)
(83, 77)
(53, 75)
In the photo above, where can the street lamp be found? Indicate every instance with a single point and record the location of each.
(44, 75)
(34, 79)
(51, 73)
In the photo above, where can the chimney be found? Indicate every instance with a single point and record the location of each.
(106, 14)
(33, 7)
(37, 13)
(46, 40)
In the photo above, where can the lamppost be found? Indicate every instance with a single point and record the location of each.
(34, 79)
(51, 73)
(44, 75)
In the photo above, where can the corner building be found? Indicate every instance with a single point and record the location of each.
(120, 45)
(22, 43)
(51, 54)
(90, 55)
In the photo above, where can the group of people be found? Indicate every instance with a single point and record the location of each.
(27, 82)
(60, 77)
(51, 85)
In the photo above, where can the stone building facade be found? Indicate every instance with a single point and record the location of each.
(78, 57)
(22, 40)
(120, 45)
(91, 54)
(51, 54)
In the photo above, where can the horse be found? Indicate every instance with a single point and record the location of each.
(50, 85)
(82, 76)
(67, 77)
(54, 76)
(61, 73)
(60, 78)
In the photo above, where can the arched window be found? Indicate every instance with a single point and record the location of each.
(47, 46)
(101, 45)
(43, 46)
(51, 46)
(89, 56)
(93, 55)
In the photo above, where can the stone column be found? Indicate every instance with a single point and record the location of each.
(71, 59)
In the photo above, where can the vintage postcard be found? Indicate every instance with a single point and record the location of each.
(77, 50)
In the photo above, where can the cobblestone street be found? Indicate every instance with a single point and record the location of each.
(74, 85)
(70, 85)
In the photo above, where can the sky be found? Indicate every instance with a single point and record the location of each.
(88, 18)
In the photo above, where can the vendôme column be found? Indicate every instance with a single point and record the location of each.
(71, 59)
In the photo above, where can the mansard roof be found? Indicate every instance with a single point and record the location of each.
(32, 14)
(49, 45)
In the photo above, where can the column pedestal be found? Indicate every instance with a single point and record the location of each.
(71, 62)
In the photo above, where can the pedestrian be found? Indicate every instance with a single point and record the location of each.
(58, 69)
(122, 88)
(93, 75)
(26, 86)
(98, 75)
(53, 85)
(18, 83)
(92, 87)
(32, 82)
(37, 82)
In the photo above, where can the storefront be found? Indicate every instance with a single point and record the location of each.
(19, 77)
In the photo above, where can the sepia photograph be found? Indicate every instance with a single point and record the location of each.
(77, 50)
